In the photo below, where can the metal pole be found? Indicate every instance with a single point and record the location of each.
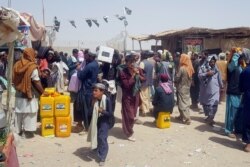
(125, 40)
(9, 3)
(10, 69)
(133, 44)
(43, 13)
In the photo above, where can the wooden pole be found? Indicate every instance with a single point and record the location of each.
(140, 45)
(9, 78)
(156, 42)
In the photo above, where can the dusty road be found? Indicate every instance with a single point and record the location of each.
(180, 146)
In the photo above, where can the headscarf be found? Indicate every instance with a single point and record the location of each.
(234, 50)
(190, 54)
(23, 70)
(222, 56)
(206, 67)
(246, 53)
(185, 62)
(164, 83)
(212, 57)
(164, 78)
(80, 56)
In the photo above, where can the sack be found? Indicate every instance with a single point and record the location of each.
(74, 83)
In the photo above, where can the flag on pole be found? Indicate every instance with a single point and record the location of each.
(96, 23)
(125, 23)
(56, 24)
(128, 11)
(88, 21)
(106, 19)
(122, 18)
(72, 22)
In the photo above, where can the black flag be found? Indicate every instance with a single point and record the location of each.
(72, 22)
(128, 11)
(96, 23)
(106, 19)
(56, 24)
(89, 22)
(122, 18)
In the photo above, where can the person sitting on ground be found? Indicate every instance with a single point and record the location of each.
(164, 97)
(100, 124)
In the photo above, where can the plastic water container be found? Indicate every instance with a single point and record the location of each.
(62, 106)
(46, 106)
(163, 120)
(63, 126)
(48, 127)
(50, 90)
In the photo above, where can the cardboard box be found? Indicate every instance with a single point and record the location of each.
(105, 54)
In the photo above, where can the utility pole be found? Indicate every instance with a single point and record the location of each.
(125, 22)
(43, 13)
(125, 39)
(9, 3)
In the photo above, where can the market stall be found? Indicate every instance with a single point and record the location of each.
(196, 39)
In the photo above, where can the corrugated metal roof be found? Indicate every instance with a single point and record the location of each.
(237, 31)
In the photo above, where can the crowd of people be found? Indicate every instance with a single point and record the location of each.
(150, 82)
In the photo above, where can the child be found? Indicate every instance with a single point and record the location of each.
(100, 122)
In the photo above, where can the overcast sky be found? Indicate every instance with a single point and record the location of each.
(148, 16)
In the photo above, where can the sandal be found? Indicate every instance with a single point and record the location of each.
(188, 122)
(247, 148)
(211, 123)
(179, 118)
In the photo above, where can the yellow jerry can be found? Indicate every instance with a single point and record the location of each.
(163, 120)
(48, 127)
(62, 106)
(63, 126)
(46, 106)
(50, 90)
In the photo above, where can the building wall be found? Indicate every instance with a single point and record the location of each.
(225, 44)
(171, 44)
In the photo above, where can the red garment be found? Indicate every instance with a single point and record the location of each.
(43, 64)
(130, 103)
(10, 152)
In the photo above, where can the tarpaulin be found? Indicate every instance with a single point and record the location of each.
(37, 31)
(9, 21)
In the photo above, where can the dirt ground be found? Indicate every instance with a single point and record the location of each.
(181, 145)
